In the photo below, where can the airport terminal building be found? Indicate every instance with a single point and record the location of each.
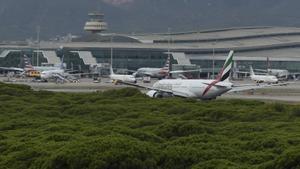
(252, 46)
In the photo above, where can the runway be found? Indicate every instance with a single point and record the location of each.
(288, 93)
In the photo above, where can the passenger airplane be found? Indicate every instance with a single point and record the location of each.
(199, 89)
(160, 73)
(59, 73)
(48, 74)
(262, 78)
(29, 67)
(121, 78)
(116, 78)
(281, 74)
(154, 72)
(12, 69)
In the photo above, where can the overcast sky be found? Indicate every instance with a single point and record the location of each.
(19, 18)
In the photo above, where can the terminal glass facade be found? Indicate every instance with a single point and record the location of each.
(133, 59)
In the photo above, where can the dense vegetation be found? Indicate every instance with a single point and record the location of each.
(124, 129)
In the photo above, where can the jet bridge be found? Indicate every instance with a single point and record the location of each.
(6, 52)
(87, 57)
(181, 58)
(51, 57)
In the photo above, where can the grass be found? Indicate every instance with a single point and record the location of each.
(125, 129)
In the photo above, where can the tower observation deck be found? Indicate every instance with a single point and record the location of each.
(96, 23)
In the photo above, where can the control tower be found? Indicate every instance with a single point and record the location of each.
(96, 23)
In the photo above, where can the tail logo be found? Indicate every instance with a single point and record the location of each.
(166, 69)
(223, 74)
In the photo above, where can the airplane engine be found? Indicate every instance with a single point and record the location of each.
(154, 94)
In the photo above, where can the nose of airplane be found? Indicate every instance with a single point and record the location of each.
(43, 75)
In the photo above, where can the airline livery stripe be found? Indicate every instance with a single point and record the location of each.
(225, 76)
(229, 61)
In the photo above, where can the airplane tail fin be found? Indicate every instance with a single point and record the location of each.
(224, 74)
(62, 66)
(268, 63)
(251, 71)
(167, 64)
(166, 68)
(111, 70)
(27, 63)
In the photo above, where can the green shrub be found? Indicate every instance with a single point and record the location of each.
(112, 152)
(124, 129)
(289, 160)
(279, 107)
(217, 164)
(296, 111)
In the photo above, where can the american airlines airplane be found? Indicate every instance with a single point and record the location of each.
(262, 78)
(160, 73)
(28, 67)
(199, 89)
(154, 72)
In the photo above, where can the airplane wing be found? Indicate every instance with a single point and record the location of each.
(253, 87)
(131, 71)
(12, 69)
(147, 74)
(242, 72)
(142, 86)
(261, 70)
(184, 71)
(294, 74)
(172, 92)
(248, 73)
(60, 76)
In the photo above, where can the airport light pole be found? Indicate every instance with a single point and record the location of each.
(169, 40)
(213, 61)
(111, 47)
(38, 29)
(213, 66)
(61, 48)
(169, 50)
(111, 50)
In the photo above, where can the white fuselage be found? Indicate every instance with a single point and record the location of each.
(264, 78)
(50, 73)
(193, 88)
(45, 68)
(123, 78)
(152, 72)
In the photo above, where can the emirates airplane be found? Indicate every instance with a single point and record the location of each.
(199, 88)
